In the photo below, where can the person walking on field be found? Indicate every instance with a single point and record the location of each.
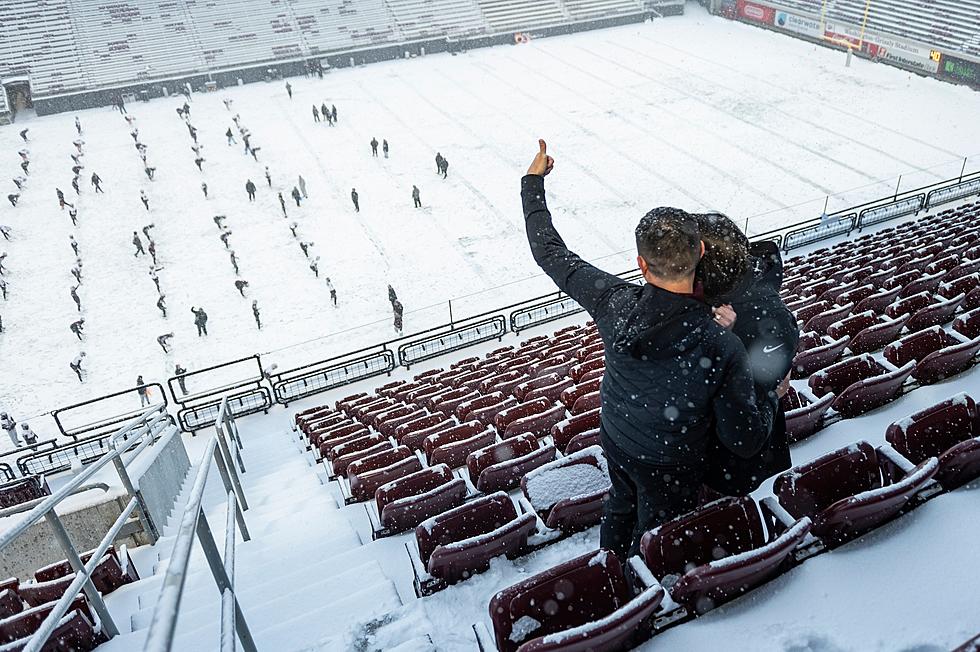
(671, 368)
(200, 320)
(138, 244)
(416, 197)
(374, 147)
(162, 305)
(255, 314)
(268, 176)
(250, 189)
(282, 204)
(384, 147)
(289, 90)
(141, 390)
(398, 310)
(297, 196)
(316, 114)
(75, 298)
(10, 426)
(302, 186)
(145, 200)
(179, 371)
(333, 291)
(353, 198)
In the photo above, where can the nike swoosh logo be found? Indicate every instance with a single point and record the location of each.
(770, 349)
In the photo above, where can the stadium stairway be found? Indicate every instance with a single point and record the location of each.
(304, 560)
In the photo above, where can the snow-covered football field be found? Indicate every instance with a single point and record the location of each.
(691, 111)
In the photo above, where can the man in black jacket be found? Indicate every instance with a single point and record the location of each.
(670, 368)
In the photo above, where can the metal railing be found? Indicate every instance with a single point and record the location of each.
(160, 637)
(146, 427)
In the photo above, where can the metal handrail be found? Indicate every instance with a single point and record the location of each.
(160, 637)
(140, 426)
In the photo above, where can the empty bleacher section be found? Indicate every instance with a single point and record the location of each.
(512, 15)
(953, 24)
(591, 9)
(420, 19)
(37, 40)
(342, 24)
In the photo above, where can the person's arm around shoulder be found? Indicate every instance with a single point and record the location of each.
(742, 424)
(578, 279)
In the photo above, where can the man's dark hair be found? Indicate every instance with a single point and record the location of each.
(726, 252)
(669, 240)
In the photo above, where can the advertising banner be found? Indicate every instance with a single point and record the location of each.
(798, 24)
(755, 12)
(882, 46)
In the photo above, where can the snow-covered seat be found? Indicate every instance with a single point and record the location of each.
(407, 501)
(941, 311)
(909, 305)
(538, 424)
(502, 382)
(551, 392)
(568, 493)
(924, 283)
(406, 428)
(717, 552)
(486, 415)
(582, 368)
(327, 444)
(966, 267)
(309, 414)
(570, 395)
(855, 295)
(380, 404)
(336, 430)
(322, 422)
(52, 581)
(351, 403)
(79, 629)
(466, 407)
(962, 285)
(815, 352)
(968, 324)
(396, 418)
(343, 403)
(807, 418)
(810, 310)
(416, 439)
(816, 288)
(341, 463)
(500, 466)
(521, 390)
(354, 445)
(563, 431)
(461, 541)
(948, 431)
(560, 366)
(590, 350)
(515, 412)
(22, 490)
(878, 301)
(473, 379)
(937, 354)
(582, 604)
(845, 494)
(452, 447)
(583, 440)
(367, 475)
(587, 403)
(860, 384)
(447, 403)
(389, 388)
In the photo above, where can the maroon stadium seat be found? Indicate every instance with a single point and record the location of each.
(452, 447)
(843, 492)
(340, 464)
(414, 425)
(962, 285)
(505, 416)
(407, 501)
(486, 415)
(583, 368)
(815, 352)
(968, 324)
(337, 431)
(78, 630)
(807, 419)
(388, 426)
(23, 490)
(568, 493)
(512, 455)
(325, 445)
(939, 312)
(491, 384)
(551, 392)
(909, 305)
(464, 408)
(366, 478)
(948, 431)
(460, 542)
(563, 431)
(924, 283)
(717, 552)
(937, 354)
(583, 440)
(587, 403)
(521, 390)
(570, 395)
(855, 295)
(415, 439)
(819, 322)
(811, 310)
(582, 604)
(877, 335)
(538, 424)
(860, 384)
(878, 301)
(354, 445)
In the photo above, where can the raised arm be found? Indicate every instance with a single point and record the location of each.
(575, 277)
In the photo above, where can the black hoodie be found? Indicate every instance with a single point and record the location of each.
(670, 369)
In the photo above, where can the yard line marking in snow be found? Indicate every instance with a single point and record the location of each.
(829, 105)
(775, 109)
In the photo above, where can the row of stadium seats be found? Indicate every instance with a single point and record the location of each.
(954, 24)
(25, 605)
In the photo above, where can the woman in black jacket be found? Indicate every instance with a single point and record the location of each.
(767, 329)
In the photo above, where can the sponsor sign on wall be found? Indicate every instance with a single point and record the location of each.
(883, 46)
(756, 12)
(798, 24)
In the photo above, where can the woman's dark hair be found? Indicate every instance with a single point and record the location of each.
(726, 255)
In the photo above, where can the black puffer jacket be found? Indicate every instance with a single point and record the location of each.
(670, 369)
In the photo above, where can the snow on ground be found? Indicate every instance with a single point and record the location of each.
(694, 111)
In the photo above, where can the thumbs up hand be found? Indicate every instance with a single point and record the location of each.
(542, 163)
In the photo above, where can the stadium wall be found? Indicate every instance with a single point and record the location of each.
(925, 60)
(278, 69)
